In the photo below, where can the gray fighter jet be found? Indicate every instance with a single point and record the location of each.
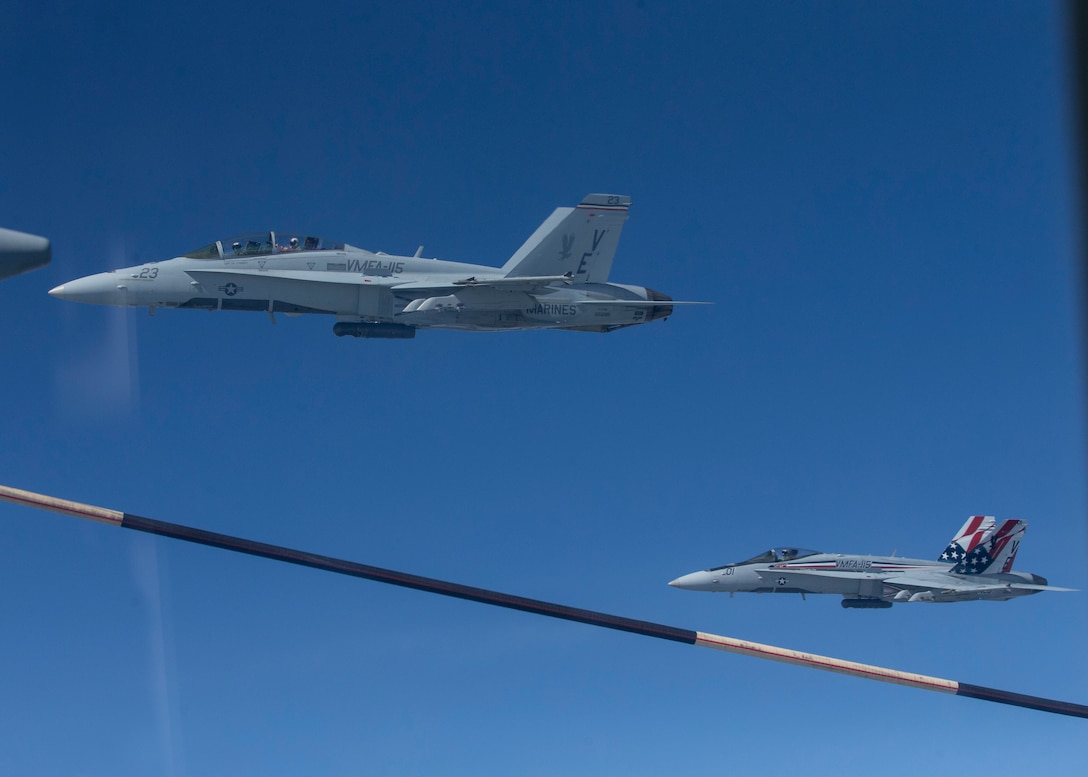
(977, 564)
(557, 280)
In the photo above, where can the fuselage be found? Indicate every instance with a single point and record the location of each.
(277, 273)
(853, 577)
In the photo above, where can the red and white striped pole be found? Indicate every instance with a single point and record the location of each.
(536, 606)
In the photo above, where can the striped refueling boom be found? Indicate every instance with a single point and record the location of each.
(536, 606)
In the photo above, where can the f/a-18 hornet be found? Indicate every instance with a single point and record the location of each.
(977, 564)
(557, 280)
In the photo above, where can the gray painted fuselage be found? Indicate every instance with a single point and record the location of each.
(557, 280)
(881, 578)
(320, 282)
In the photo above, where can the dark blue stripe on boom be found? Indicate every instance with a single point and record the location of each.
(1023, 700)
(482, 595)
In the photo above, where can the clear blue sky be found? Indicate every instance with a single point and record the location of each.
(876, 197)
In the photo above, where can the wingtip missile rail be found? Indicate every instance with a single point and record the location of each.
(536, 606)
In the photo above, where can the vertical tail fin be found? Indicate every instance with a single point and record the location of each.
(967, 538)
(996, 552)
(581, 241)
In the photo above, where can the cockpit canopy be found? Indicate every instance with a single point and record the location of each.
(772, 556)
(264, 244)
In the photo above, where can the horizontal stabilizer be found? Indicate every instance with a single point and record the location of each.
(1033, 587)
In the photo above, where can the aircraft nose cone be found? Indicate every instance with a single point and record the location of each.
(696, 581)
(101, 289)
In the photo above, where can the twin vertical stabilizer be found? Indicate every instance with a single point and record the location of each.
(973, 532)
(581, 241)
(981, 546)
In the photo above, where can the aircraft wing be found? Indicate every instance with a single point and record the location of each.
(488, 289)
(428, 288)
(526, 284)
(236, 275)
(425, 288)
(416, 288)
